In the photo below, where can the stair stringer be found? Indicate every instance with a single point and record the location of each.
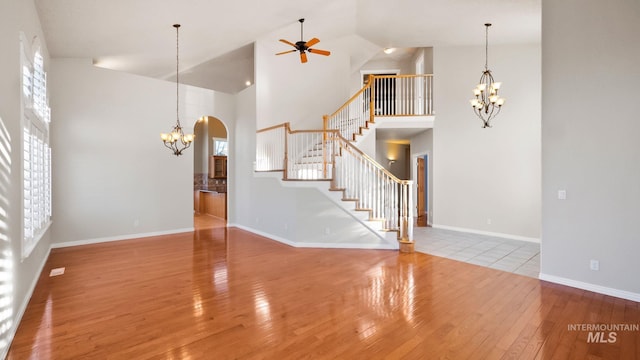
(389, 239)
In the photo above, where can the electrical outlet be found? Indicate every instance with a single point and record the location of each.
(562, 194)
(327, 231)
(489, 221)
(594, 265)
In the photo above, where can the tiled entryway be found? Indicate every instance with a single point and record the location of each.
(520, 257)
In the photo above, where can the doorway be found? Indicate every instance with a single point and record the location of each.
(384, 90)
(422, 197)
(210, 153)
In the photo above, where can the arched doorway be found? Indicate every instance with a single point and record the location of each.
(210, 157)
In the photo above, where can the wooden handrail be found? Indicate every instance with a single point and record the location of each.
(285, 125)
(368, 85)
(372, 161)
(401, 76)
(336, 133)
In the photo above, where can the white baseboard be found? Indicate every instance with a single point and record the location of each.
(487, 233)
(315, 245)
(23, 307)
(623, 294)
(119, 238)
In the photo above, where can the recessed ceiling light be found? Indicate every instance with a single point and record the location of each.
(389, 50)
(248, 83)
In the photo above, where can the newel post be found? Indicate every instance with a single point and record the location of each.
(407, 244)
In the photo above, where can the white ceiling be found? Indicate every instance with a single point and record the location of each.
(137, 36)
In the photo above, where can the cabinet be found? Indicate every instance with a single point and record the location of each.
(218, 167)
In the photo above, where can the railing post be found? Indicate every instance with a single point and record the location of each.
(406, 219)
(372, 97)
(287, 129)
(325, 118)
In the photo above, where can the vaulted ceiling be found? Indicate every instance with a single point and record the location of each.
(137, 36)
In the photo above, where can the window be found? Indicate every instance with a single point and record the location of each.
(36, 152)
(220, 147)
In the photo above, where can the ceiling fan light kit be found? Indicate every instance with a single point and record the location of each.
(304, 46)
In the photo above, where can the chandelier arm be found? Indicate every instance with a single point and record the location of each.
(169, 146)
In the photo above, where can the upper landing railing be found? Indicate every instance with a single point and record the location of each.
(383, 95)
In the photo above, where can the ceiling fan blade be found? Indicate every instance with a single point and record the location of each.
(286, 52)
(303, 57)
(289, 43)
(312, 42)
(320, 52)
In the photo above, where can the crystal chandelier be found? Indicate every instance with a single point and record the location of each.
(177, 140)
(487, 103)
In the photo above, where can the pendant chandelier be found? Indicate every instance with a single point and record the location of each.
(487, 103)
(177, 140)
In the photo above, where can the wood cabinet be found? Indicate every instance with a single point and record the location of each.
(218, 167)
(210, 203)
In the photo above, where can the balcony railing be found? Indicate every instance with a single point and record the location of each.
(383, 95)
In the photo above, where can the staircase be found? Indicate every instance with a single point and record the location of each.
(329, 160)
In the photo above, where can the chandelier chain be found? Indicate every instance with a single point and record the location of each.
(177, 26)
(486, 47)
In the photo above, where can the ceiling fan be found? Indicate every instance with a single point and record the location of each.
(304, 46)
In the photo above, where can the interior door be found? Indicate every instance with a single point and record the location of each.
(422, 199)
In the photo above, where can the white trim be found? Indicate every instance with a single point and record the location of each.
(23, 307)
(414, 178)
(480, 232)
(119, 238)
(315, 245)
(36, 239)
(623, 294)
(376, 72)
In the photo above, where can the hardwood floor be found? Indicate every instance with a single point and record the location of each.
(223, 293)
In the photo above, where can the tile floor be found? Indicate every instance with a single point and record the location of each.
(520, 257)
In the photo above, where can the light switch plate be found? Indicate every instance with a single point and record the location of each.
(562, 194)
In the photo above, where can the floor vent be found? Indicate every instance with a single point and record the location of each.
(56, 272)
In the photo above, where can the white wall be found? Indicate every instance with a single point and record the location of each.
(386, 150)
(240, 168)
(493, 174)
(422, 144)
(18, 277)
(113, 177)
(200, 147)
(590, 58)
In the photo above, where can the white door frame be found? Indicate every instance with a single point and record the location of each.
(414, 178)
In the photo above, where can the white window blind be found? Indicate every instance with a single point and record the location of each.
(36, 153)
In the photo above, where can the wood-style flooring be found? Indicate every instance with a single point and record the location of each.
(224, 293)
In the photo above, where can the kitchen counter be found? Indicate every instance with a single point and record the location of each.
(211, 202)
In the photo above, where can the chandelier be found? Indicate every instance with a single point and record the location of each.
(487, 103)
(177, 140)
